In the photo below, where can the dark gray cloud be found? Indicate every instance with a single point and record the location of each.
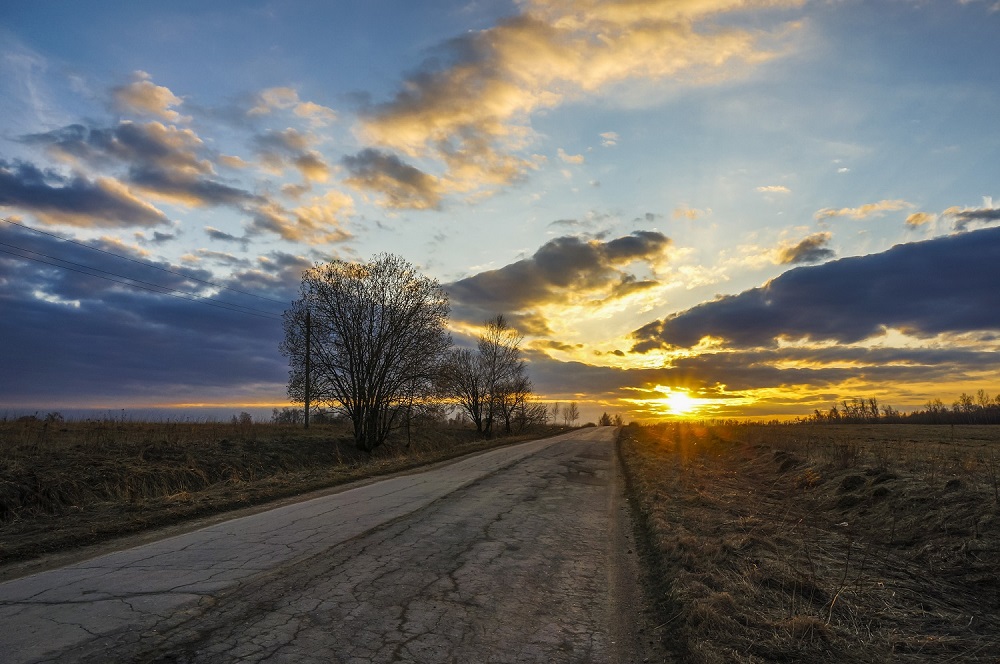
(76, 339)
(170, 163)
(965, 218)
(163, 238)
(152, 145)
(161, 159)
(947, 284)
(559, 266)
(401, 185)
(183, 187)
(812, 249)
(289, 146)
(74, 200)
(222, 236)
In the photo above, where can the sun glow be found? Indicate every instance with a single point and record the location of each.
(681, 403)
(671, 402)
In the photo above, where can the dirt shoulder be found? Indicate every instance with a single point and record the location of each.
(64, 503)
(792, 547)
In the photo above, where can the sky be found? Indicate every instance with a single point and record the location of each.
(712, 208)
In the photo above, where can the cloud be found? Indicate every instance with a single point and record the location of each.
(925, 288)
(400, 184)
(571, 158)
(470, 108)
(222, 236)
(609, 139)
(799, 373)
(168, 163)
(918, 219)
(285, 98)
(143, 145)
(320, 220)
(143, 97)
(562, 269)
(314, 112)
(162, 160)
(73, 200)
(810, 250)
(864, 211)
(965, 217)
(105, 343)
(690, 213)
(289, 146)
(774, 189)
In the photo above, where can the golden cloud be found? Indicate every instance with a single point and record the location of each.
(473, 115)
(864, 211)
(319, 221)
(919, 219)
(143, 97)
(571, 158)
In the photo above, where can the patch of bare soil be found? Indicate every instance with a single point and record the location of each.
(70, 485)
(785, 544)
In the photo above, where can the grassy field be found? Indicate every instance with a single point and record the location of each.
(69, 484)
(821, 543)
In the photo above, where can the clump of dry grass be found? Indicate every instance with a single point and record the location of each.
(65, 484)
(813, 544)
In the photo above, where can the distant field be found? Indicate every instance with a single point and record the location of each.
(821, 543)
(68, 484)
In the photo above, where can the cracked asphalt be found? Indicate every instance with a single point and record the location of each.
(519, 554)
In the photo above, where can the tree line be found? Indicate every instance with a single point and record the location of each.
(369, 341)
(978, 408)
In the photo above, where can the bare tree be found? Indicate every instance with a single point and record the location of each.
(511, 397)
(377, 341)
(490, 383)
(465, 381)
(571, 414)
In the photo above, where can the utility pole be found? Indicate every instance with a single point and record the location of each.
(308, 377)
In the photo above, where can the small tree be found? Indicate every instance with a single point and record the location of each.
(376, 344)
(490, 384)
(571, 414)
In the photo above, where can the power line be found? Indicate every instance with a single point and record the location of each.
(165, 290)
(145, 263)
(131, 280)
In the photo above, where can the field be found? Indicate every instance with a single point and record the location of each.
(821, 543)
(64, 485)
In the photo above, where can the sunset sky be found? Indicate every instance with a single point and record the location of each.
(745, 208)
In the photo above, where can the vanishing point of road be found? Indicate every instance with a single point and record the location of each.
(519, 554)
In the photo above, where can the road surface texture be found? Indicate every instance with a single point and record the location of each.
(519, 554)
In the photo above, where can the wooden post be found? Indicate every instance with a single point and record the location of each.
(308, 377)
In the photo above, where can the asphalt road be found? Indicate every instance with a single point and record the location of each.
(520, 554)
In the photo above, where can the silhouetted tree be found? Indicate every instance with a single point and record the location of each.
(490, 383)
(571, 414)
(377, 341)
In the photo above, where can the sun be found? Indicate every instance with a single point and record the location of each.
(681, 403)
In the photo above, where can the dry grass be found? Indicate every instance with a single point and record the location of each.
(821, 543)
(69, 484)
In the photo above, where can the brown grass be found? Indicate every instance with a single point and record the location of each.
(819, 543)
(70, 484)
